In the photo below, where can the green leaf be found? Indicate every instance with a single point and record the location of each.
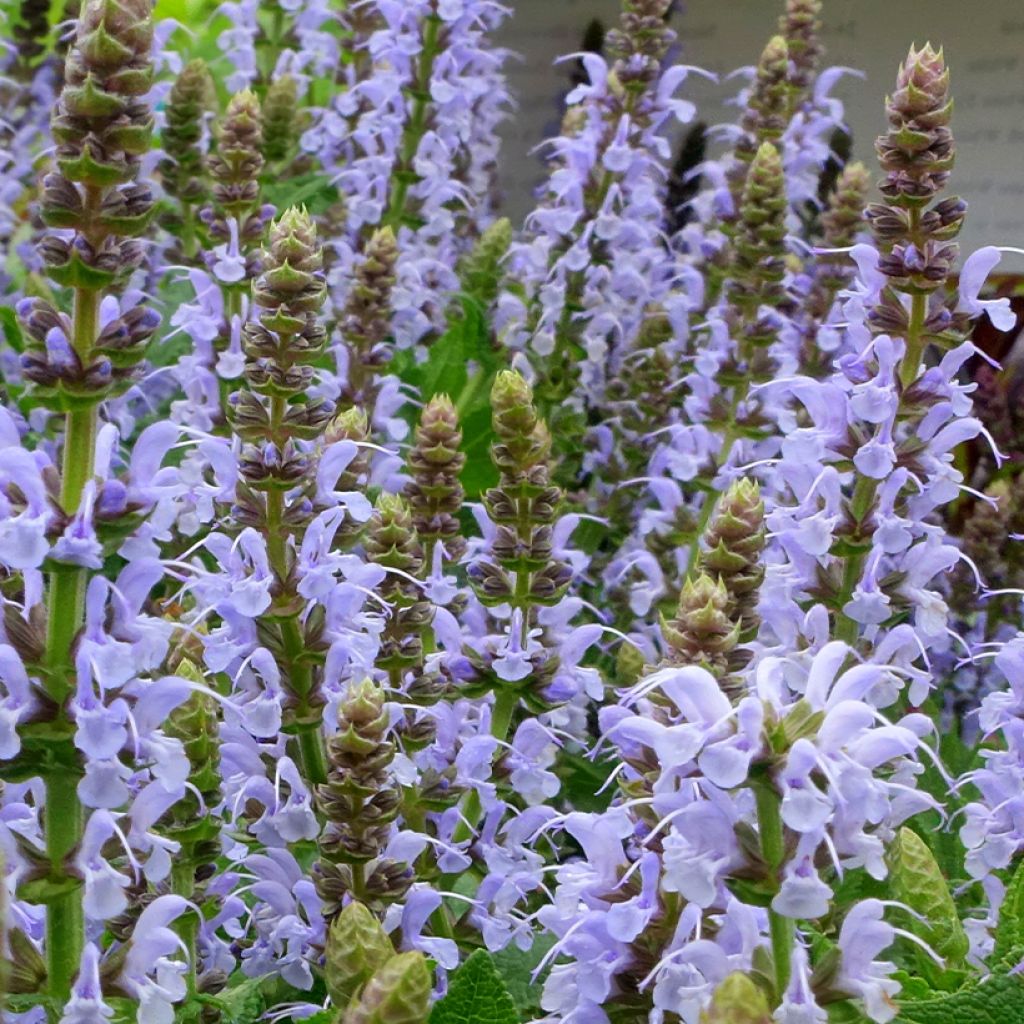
(447, 366)
(517, 966)
(1010, 928)
(918, 882)
(314, 191)
(477, 995)
(11, 329)
(242, 1004)
(584, 782)
(998, 1000)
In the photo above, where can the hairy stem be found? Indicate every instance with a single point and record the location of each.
(65, 615)
(782, 929)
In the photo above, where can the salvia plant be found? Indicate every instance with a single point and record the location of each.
(410, 617)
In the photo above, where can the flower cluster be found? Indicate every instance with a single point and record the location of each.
(409, 616)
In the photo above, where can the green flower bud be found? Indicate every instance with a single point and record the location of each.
(191, 96)
(357, 947)
(351, 425)
(737, 1000)
(703, 632)
(359, 801)
(434, 492)
(399, 993)
(800, 26)
(391, 541)
(237, 163)
(766, 114)
(280, 118)
(366, 321)
(524, 506)
(482, 269)
(523, 440)
(758, 267)
(291, 283)
(196, 723)
(99, 124)
(842, 219)
(639, 43)
(918, 151)
(733, 545)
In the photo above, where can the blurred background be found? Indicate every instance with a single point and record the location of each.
(983, 39)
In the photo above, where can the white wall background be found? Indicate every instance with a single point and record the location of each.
(983, 40)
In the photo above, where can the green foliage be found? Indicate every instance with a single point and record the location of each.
(998, 1000)
(315, 192)
(462, 363)
(1010, 927)
(477, 995)
(242, 1004)
(516, 967)
(918, 882)
(584, 781)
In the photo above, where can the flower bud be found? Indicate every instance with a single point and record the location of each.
(800, 26)
(766, 114)
(434, 492)
(366, 321)
(758, 267)
(391, 541)
(399, 993)
(237, 163)
(280, 118)
(190, 97)
(734, 543)
(918, 150)
(737, 1000)
(359, 801)
(482, 269)
(702, 632)
(100, 123)
(357, 947)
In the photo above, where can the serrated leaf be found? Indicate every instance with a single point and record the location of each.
(999, 1000)
(242, 1004)
(477, 995)
(516, 966)
(1010, 927)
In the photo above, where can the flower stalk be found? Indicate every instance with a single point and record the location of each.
(101, 127)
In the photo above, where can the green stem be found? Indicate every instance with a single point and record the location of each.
(506, 700)
(312, 756)
(65, 615)
(864, 492)
(404, 174)
(65, 917)
(773, 850)
(866, 488)
(183, 883)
